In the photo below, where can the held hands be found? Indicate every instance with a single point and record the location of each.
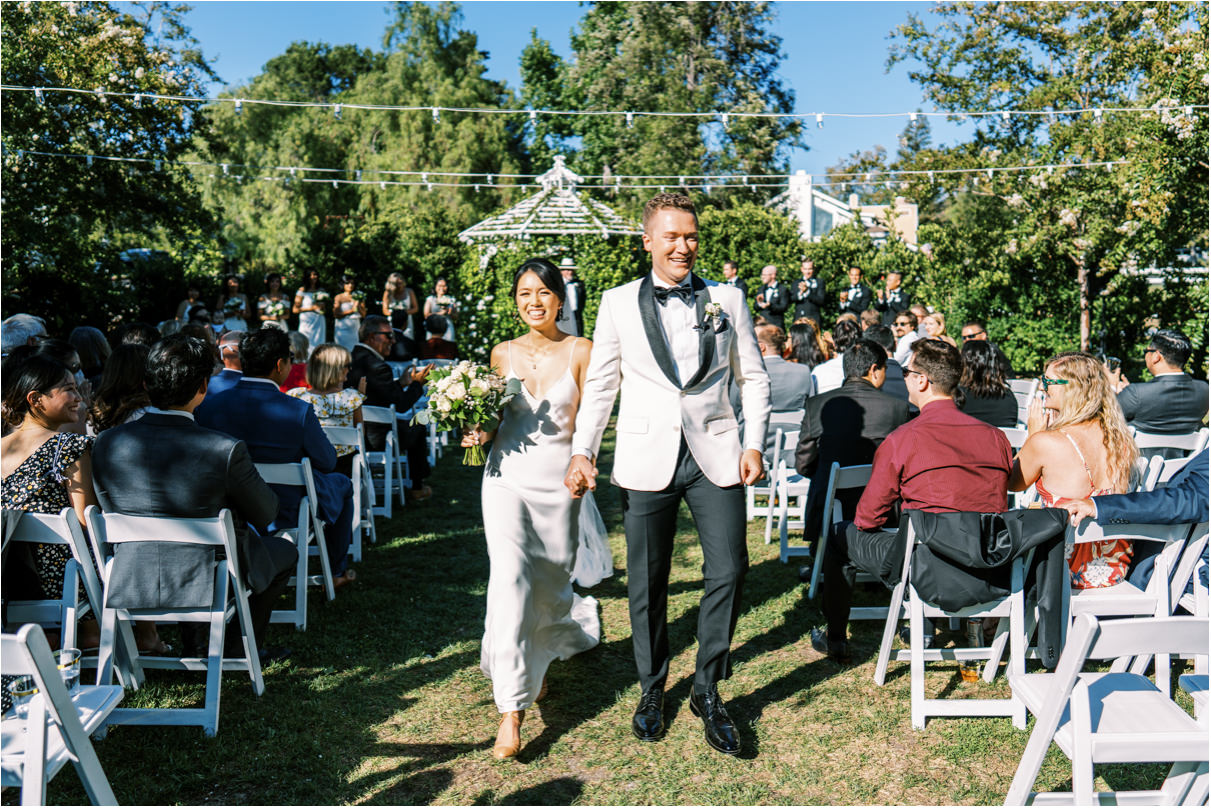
(752, 466)
(581, 476)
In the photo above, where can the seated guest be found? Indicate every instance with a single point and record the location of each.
(139, 333)
(281, 429)
(138, 470)
(229, 353)
(1183, 499)
(121, 395)
(804, 346)
(868, 318)
(904, 329)
(20, 330)
(334, 404)
(789, 384)
(1079, 447)
(831, 374)
(382, 390)
(93, 349)
(893, 382)
(986, 393)
(974, 330)
(1172, 403)
(300, 349)
(845, 426)
(61, 351)
(436, 346)
(942, 460)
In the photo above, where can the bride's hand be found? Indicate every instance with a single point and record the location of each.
(581, 476)
(474, 436)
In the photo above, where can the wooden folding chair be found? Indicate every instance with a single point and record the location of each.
(363, 486)
(56, 729)
(1114, 717)
(1012, 606)
(308, 538)
(230, 598)
(389, 458)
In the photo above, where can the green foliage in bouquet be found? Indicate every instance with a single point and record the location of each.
(466, 395)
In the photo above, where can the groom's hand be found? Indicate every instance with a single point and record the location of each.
(752, 467)
(581, 476)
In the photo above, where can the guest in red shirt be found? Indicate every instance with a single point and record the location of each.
(943, 460)
(300, 349)
(436, 346)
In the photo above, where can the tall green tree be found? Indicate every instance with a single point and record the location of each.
(65, 219)
(670, 57)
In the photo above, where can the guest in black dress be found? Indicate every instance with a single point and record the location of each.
(988, 396)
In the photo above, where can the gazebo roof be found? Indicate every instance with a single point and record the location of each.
(556, 210)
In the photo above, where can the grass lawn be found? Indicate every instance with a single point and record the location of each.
(383, 701)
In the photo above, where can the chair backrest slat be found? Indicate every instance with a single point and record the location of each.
(1190, 442)
(853, 476)
(1092, 531)
(1150, 635)
(378, 415)
(120, 528)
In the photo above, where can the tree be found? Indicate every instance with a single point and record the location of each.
(670, 57)
(65, 219)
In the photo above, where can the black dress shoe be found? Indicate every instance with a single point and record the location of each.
(648, 723)
(720, 730)
(805, 571)
(837, 651)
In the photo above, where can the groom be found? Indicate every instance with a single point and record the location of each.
(670, 341)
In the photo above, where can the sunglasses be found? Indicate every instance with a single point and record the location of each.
(902, 322)
(1046, 382)
(974, 334)
(390, 334)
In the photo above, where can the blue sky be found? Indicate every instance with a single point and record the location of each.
(834, 54)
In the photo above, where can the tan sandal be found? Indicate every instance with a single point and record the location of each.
(508, 737)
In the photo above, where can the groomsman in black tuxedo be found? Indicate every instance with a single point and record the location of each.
(773, 299)
(809, 294)
(731, 277)
(857, 297)
(572, 316)
(892, 300)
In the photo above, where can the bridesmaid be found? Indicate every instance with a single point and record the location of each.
(233, 304)
(348, 313)
(399, 303)
(273, 307)
(309, 306)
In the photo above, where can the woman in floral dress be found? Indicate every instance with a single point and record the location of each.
(334, 404)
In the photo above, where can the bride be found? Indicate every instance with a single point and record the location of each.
(538, 537)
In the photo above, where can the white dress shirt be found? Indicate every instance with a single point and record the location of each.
(904, 348)
(677, 321)
(828, 375)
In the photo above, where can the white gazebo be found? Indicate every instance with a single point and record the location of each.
(556, 210)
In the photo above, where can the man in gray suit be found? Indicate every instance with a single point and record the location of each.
(790, 384)
(1172, 403)
(164, 464)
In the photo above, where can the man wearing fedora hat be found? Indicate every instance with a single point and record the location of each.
(571, 317)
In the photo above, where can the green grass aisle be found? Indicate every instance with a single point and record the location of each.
(383, 701)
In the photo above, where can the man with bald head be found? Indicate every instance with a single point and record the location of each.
(773, 299)
(233, 367)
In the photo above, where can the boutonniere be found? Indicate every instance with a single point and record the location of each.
(715, 316)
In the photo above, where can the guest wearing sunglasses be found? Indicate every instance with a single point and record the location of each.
(1079, 447)
(974, 331)
(1172, 403)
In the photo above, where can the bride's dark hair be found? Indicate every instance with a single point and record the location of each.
(547, 272)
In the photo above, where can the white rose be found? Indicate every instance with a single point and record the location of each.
(480, 386)
(442, 403)
(457, 391)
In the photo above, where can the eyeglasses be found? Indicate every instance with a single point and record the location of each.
(388, 334)
(910, 371)
(902, 322)
(974, 334)
(1043, 380)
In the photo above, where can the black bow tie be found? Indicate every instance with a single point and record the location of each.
(663, 294)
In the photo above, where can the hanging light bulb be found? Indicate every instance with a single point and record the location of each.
(239, 106)
(437, 116)
(630, 119)
(336, 111)
(819, 120)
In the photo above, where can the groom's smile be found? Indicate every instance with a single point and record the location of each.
(671, 236)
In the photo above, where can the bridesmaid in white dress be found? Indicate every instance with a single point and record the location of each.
(530, 522)
(309, 306)
(348, 314)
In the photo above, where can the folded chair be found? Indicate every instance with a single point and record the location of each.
(229, 599)
(56, 729)
(1113, 717)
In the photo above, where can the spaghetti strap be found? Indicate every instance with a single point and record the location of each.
(571, 354)
(510, 352)
(1088, 473)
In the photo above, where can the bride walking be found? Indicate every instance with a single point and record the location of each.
(532, 526)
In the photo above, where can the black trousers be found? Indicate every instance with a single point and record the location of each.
(849, 550)
(650, 519)
(260, 604)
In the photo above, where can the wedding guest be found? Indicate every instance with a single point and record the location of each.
(348, 311)
(309, 306)
(893, 383)
(868, 319)
(804, 346)
(773, 299)
(436, 346)
(921, 313)
(399, 303)
(121, 394)
(193, 296)
(281, 429)
(904, 328)
(233, 304)
(62, 351)
(831, 374)
(986, 392)
(273, 307)
(19, 330)
(300, 348)
(974, 330)
(233, 369)
(143, 333)
(935, 327)
(443, 303)
(809, 293)
(1079, 447)
(790, 384)
(731, 277)
(1172, 403)
(891, 299)
(856, 299)
(139, 471)
(334, 404)
(571, 316)
(93, 349)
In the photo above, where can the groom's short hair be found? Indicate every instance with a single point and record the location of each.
(664, 201)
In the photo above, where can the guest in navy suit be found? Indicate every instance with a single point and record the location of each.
(280, 429)
(1172, 403)
(233, 369)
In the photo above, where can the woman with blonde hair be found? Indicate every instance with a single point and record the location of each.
(334, 404)
(1079, 447)
(934, 324)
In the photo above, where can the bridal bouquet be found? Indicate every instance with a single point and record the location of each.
(464, 395)
(359, 296)
(320, 297)
(275, 308)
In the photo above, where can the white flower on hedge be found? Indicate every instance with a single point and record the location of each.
(1068, 217)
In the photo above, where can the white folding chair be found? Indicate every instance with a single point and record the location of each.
(57, 726)
(230, 598)
(65, 613)
(790, 494)
(1190, 443)
(1012, 606)
(389, 458)
(1169, 468)
(1016, 435)
(840, 478)
(1023, 391)
(363, 485)
(1114, 717)
(308, 538)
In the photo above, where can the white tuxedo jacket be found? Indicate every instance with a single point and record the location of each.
(630, 354)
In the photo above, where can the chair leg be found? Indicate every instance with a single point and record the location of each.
(916, 630)
(817, 565)
(33, 771)
(325, 567)
(214, 657)
(894, 610)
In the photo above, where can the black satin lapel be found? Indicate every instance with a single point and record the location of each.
(651, 327)
(706, 333)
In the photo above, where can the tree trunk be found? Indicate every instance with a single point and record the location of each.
(1082, 279)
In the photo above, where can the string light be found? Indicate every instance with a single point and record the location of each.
(239, 107)
(336, 111)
